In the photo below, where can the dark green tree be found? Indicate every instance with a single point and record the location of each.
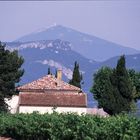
(49, 71)
(10, 73)
(113, 89)
(103, 90)
(76, 77)
(124, 83)
(135, 78)
(55, 73)
(123, 86)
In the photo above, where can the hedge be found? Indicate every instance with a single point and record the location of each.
(69, 127)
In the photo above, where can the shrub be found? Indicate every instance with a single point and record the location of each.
(69, 127)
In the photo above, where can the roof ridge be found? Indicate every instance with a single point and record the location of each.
(48, 82)
(56, 93)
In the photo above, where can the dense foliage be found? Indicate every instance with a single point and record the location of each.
(135, 78)
(103, 90)
(10, 73)
(113, 89)
(69, 127)
(76, 77)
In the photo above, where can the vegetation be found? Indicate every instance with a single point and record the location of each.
(55, 73)
(49, 71)
(69, 127)
(135, 78)
(103, 90)
(76, 77)
(10, 73)
(113, 89)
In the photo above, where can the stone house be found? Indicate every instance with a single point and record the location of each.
(48, 94)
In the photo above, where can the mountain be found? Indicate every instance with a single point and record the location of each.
(132, 62)
(56, 54)
(89, 46)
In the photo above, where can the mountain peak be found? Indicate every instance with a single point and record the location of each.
(46, 28)
(57, 27)
(87, 45)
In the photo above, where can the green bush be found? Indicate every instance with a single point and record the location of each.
(69, 127)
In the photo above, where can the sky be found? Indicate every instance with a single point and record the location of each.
(117, 20)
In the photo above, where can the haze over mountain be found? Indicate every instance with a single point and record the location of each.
(89, 46)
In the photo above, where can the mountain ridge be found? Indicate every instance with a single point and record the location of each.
(87, 45)
(132, 62)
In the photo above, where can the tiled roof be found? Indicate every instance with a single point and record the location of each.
(48, 82)
(55, 99)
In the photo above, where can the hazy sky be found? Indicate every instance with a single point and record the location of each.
(117, 21)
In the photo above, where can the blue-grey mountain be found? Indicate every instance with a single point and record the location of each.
(132, 62)
(89, 46)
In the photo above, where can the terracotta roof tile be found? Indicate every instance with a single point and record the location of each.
(55, 99)
(48, 82)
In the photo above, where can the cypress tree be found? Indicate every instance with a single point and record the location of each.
(55, 73)
(76, 77)
(124, 82)
(124, 85)
(49, 71)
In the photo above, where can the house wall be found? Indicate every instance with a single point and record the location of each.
(13, 103)
(30, 109)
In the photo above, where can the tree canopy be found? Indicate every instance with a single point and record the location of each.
(135, 78)
(76, 77)
(10, 73)
(103, 90)
(113, 89)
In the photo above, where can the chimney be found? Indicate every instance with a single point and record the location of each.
(59, 75)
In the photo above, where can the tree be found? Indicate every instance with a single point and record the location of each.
(55, 73)
(113, 89)
(124, 85)
(76, 77)
(49, 71)
(103, 90)
(135, 78)
(10, 73)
